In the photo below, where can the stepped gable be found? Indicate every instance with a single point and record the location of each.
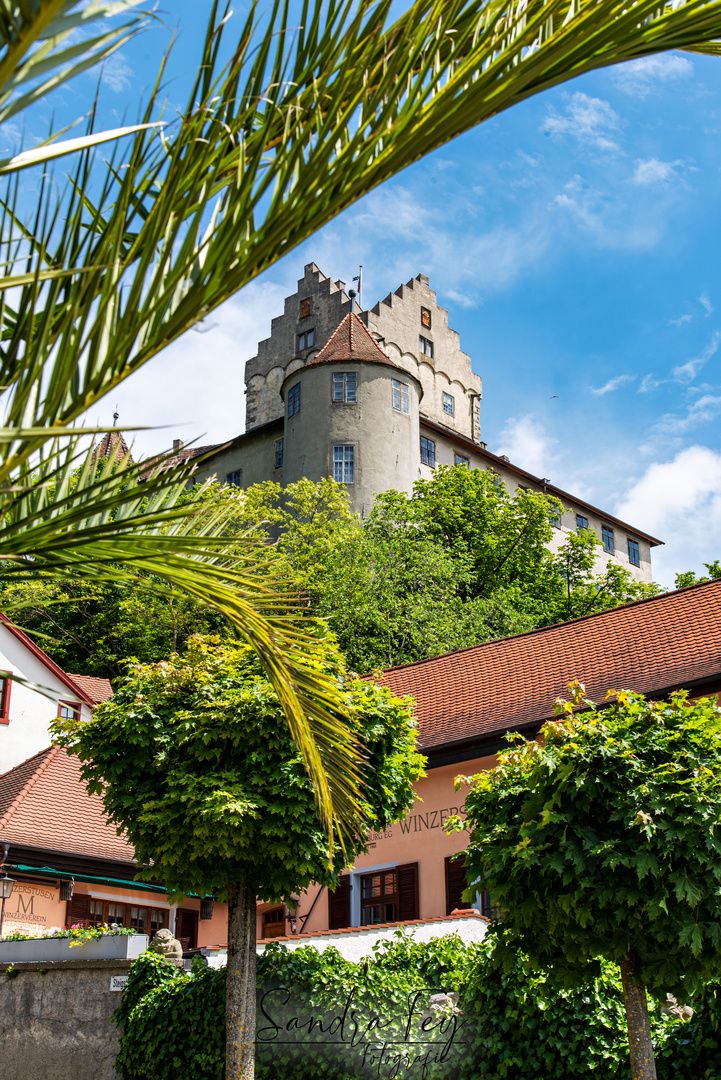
(351, 340)
(651, 646)
(45, 804)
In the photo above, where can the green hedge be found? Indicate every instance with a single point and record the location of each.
(514, 1023)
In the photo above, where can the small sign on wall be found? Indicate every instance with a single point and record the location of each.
(118, 982)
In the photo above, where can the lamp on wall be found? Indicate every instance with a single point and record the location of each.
(6, 885)
(66, 889)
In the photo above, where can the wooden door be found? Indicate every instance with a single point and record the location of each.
(187, 928)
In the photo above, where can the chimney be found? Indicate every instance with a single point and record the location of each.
(177, 446)
(483, 445)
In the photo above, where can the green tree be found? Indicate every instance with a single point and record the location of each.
(99, 276)
(194, 762)
(604, 840)
(690, 578)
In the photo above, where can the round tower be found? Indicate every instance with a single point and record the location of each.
(352, 413)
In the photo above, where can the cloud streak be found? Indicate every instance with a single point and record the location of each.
(688, 371)
(639, 78)
(612, 384)
(590, 120)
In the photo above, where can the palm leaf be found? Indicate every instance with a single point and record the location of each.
(311, 113)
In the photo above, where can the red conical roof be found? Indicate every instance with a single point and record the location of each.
(352, 340)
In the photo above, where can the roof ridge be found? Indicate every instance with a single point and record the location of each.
(51, 752)
(48, 661)
(353, 325)
(553, 626)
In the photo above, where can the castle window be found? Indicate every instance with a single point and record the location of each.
(581, 523)
(305, 308)
(634, 555)
(425, 346)
(344, 464)
(555, 518)
(459, 459)
(235, 478)
(345, 385)
(401, 396)
(426, 318)
(449, 404)
(278, 448)
(294, 400)
(607, 537)
(428, 452)
(306, 340)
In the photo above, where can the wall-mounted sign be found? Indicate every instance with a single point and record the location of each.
(34, 909)
(118, 982)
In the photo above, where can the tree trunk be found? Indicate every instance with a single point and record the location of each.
(240, 984)
(643, 1066)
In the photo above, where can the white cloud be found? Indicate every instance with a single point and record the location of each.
(688, 371)
(526, 442)
(705, 408)
(117, 73)
(706, 303)
(639, 78)
(653, 171)
(648, 383)
(679, 501)
(606, 220)
(612, 384)
(590, 120)
(195, 386)
(680, 320)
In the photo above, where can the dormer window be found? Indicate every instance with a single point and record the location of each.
(306, 340)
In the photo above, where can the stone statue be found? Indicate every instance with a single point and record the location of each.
(168, 946)
(672, 1008)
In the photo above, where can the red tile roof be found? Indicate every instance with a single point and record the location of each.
(649, 646)
(112, 446)
(351, 340)
(44, 804)
(97, 689)
(464, 913)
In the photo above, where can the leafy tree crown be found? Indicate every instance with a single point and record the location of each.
(194, 761)
(605, 837)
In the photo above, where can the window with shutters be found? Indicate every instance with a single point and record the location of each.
(6, 686)
(84, 910)
(339, 905)
(379, 897)
(455, 884)
(408, 892)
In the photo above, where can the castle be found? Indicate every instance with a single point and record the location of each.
(376, 399)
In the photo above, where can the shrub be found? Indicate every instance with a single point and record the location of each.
(516, 1023)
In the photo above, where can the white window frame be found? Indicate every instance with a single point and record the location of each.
(401, 396)
(339, 379)
(449, 398)
(346, 473)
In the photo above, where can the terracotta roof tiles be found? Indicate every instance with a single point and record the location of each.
(45, 804)
(351, 340)
(96, 689)
(649, 646)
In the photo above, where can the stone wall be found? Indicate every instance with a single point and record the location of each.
(55, 1020)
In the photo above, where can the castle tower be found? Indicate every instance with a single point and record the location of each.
(352, 413)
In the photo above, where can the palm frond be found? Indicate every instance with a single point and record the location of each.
(76, 517)
(37, 53)
(312, 112)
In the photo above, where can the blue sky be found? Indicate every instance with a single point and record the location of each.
(574, 240)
